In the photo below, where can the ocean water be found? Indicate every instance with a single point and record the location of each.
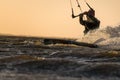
(24, 58)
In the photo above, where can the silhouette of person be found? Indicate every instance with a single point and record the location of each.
(91, 22)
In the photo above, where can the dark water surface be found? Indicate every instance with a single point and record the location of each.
(28, 59)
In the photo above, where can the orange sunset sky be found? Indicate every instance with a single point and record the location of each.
(52, 18)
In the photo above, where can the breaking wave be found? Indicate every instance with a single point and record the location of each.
(108, 37)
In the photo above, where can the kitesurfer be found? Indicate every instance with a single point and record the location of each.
(91, 22)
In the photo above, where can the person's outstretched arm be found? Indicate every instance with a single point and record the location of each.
(74, 16)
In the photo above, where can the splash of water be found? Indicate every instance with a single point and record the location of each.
(108, 37)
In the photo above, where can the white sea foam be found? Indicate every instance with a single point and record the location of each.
(108, 37)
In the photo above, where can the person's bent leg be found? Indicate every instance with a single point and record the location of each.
(95, 23)
(82, 22)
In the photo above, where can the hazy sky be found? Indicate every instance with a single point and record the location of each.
(52, 18)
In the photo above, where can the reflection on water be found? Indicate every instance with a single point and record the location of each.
(29, 59)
